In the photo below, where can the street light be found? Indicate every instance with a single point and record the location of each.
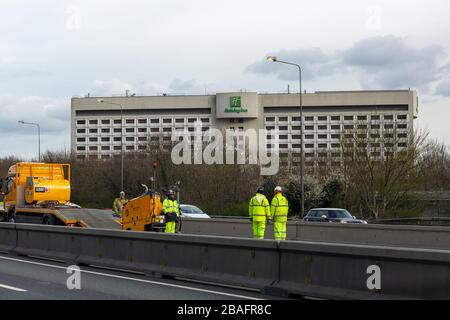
(121, 137)
(302, 162)
(39, 135)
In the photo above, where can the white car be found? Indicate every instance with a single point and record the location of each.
(190, 211)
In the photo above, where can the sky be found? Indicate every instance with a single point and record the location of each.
(52, 50)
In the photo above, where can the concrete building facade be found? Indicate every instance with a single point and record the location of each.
(151, 120)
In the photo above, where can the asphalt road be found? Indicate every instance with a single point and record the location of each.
(28, 279)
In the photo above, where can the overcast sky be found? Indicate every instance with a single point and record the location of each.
(51, 50)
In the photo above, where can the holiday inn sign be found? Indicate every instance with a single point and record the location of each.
(235, 105)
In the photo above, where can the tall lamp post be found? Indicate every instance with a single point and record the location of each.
(39, 135)
(302, 161)
(121, 137)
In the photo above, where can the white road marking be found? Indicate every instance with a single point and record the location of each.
(137, 280)
(12, 288)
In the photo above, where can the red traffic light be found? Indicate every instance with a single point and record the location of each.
(154, 164)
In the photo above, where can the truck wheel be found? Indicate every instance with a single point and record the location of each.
(10, 216)
(49, 220)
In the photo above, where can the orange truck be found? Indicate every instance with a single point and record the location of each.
(39, 193)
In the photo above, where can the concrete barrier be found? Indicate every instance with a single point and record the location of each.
(391, 235)
(8, 237)
(232, 261)
(287, 268)
(343, 271)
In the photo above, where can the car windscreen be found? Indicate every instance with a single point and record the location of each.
(191, 210)
(339, 214)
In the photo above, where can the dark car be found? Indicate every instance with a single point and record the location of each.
(331, 215)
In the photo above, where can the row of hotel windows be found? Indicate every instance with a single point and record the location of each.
(337, 136)
(269, 137)
(141, 121)
(127, 139)
(339, 127)
(139, 130)
(339, 118)
(335, 145)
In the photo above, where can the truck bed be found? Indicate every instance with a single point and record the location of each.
(92, 218)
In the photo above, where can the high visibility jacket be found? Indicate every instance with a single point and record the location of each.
(258, 208)
(119, 204)
(170, 206)
(279, 208)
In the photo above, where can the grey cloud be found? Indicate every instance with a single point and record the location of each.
(52, 114)
(182, 86)
(313, 61)
(443, 88)
(379, 62)
(388, 62)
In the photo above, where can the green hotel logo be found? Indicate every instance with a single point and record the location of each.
(235, 105)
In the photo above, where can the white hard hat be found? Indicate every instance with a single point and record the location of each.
(121, 192)
(277, 189)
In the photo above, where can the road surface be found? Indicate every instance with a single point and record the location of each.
(27, 278)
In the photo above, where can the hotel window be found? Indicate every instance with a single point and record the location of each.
(105, 139)
(375, 117)
(81, 148)
(105, 148)
(142, 139)
(81, 121)
(106, 122)
(309, 128)
(93, 121)
(348, 118)
(270, 119)
(322, 118)
(93, 148)
(117, 121)
(130, 130)
(117, 130)
(361, 118)
(154, 120)
(335, 118)
(106, 130)
(117, 139)
(142, 121)
(179, 120)
(283, 119)
(167, 120)
(81, 130)
(93, 131)
(322, 127)
(81, 139)
(142, 130)
(309, 118)
(129, 139)
(402, 117)
(388, 117)
(154, 130)
(129, 121)
(322, 136)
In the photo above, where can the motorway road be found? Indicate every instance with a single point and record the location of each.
(29, 279)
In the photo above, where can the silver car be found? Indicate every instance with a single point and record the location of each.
(332, 215)
(190, 211)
